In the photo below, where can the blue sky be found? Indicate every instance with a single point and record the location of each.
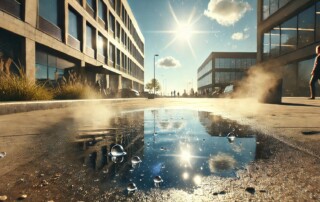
(183, 44)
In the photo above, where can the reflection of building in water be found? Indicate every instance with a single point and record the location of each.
(217, 126)
(95, 145)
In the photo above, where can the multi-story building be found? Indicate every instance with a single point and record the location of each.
(100, 39)
(288, 32)
(223, 68)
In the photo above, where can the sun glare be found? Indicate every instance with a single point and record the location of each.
(184, 31)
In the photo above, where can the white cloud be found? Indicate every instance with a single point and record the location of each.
(239, 36)
(168, 62)
(226, 12)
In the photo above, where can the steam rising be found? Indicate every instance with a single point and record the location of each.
(259, 82)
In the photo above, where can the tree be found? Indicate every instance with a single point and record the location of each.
(150, 85)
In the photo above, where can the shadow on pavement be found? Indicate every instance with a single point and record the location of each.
(310, 132)
(301, 105)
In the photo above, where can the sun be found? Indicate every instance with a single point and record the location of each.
(184, 31)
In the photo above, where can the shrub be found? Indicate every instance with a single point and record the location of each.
(75, 88)
(17, 88)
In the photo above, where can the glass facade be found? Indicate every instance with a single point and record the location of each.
(91, 3)
(306, 23)
(275, 42)
(101, 45)
(50, 67)
(206, 80)
(205, 69)
(49, 11)
(272, 6)
(111, 22)
(111, 52)
(74, 25)
(289, 35)
(318, 21)
(102, 10)
(299, 31)
(90, 37)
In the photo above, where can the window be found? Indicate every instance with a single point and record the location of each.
(111, 22)
(265, 9)
(90, 3)
(274, 6)
(289, 35)
(266, 46)
(306, 25)
(111, 52)
(74, 24)
(112, 3)
(118, 57)
(49, 10)
(283, 2)
(304, 69)
(118, 7)
(318, 21)
(102, 10)
(101, 45)
(90, 37)
(275, 42)
(118, 30)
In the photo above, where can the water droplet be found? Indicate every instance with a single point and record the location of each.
(118, 159)
(231, 137)
(157, 179)
(117, 150)
(132, 187)
(2, 154)
(135, 160)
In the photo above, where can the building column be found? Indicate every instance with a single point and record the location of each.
(119, 82)
(30, 59)
(31, 12)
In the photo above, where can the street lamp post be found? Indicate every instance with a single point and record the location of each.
(154, 75)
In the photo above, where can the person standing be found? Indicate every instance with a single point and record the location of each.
(315, 74)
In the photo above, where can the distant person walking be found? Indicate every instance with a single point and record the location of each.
(315, 74)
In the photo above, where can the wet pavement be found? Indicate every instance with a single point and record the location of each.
(171, 154)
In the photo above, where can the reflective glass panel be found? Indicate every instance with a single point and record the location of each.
(306, 23)
(275, 42)
(49, 10)
(266, 12)
(266, 45)
(89, 36)
(74, 25)
(289, 35)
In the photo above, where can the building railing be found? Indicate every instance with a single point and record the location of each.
(90, 10)
(50, 28)
(101, 58)
(73, 42)
(11, 7)
(90, 52)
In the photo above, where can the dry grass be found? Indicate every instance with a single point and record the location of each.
(75, 88)
(18, 88)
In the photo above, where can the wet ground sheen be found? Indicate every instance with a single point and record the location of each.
(197, 155)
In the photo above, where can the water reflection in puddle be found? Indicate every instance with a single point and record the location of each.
(166, 149)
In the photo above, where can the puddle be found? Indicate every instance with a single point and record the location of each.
(177, 146)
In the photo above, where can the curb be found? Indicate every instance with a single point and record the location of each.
(18, 107)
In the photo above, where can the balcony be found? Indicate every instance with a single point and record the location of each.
(90, 10)
(90, 52)
(73, 42)
(49, 28)
(101, 58)
(11, 7)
